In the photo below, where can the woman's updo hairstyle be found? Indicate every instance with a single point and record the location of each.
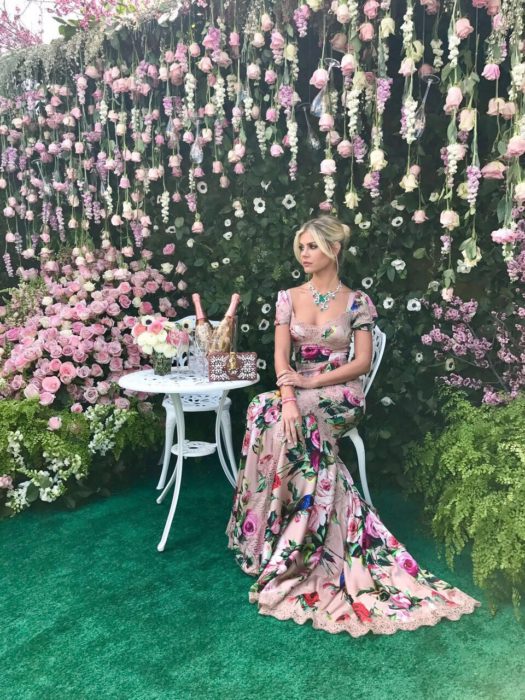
(325, 230)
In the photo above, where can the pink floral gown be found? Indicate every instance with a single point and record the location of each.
(298, 523)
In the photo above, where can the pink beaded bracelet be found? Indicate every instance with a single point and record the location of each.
(291, 398)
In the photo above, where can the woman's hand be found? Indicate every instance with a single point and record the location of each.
(291, 420)
(293, 378)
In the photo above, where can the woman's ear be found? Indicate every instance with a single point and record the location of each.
(336, 247)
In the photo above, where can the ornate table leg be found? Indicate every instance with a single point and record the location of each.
(230, 471)
(177, 472)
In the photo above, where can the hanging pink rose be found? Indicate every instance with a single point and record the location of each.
(334, 137)
(194, 49)
(515, 147)
(326, 122)
(238, 168)
(276, 150)
(366, 31)
(328, 166)
(270, 76)
(454, 99)
(277, 43)
(234, 39)
(224, 182)
(491, 71)
(272, 115)
(463, 28)
(325, 206)
(266, 22)
(496, 104)
(370, 9)
(493, 7)
(197, 227)
(504, 235)
(217, 167)
(344, 148)
(258, 40)
(319, 78)
(419, 216)
(343, 14)
(348, 64)
(508, 110)
(449, 219)
(205, 64)
(493, 170)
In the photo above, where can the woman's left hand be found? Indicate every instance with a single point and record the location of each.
(292, 378)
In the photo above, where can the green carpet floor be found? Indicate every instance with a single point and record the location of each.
(90, 610)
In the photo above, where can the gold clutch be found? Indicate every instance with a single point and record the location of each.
(232, 366)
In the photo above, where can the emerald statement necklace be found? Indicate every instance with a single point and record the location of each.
(322, 300)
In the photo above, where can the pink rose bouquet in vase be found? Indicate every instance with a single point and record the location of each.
(164, 340)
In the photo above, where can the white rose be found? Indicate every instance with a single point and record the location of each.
(377, 159)
(398, 264)
(166, 268)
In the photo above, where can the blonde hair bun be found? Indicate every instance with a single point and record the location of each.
(325, 230)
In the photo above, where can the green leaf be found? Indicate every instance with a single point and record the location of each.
(391, 273)
(419, 253)
(179, 221)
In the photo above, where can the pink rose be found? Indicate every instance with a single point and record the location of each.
(370, 9)
(449, 219)
(76, 408)
(348, 64)
(51, 384)
(253, 71)
(407, 563)
(343, 14)
(91, 395)
(463, 28)
(328, 166)
(419, 216)
(276, 150)
(168, 249)
(493, 170)
(326, 122)
(6, 482)
(504, 235)
(83, 372)
(31, 391)
(54, 423)
(366, 31)
(454, 99)
(515, 147)
(319, 78)
(277, 43)
(46, 398)
(270, 76)
(205, 64)
(344, 148)
(491, 71)
(122, 403)
(68, 372)
(272, 115)
(249, 526)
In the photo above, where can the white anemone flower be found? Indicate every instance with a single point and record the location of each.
(364, 224)
(227, 222)
(214, 265)
(245, 327)
(419, 357)
(259, 205)
(171, 229)
(397, 221)
(202, 187)
(296, 274)
(266, 308)
(265, 185)
(396, 205)
(398, 264)
(413, 305)
(264, 324)
(227, 235)
(367, 282)
(450, 364)
(352, 250)
(190, 242)
(226, 261)
(388, 303)
(386, 401)
(261, 364)
(288, 202)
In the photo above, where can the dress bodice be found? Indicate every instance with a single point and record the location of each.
(323, 347)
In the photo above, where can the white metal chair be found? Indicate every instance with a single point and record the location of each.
(378, 348)
(194, 403)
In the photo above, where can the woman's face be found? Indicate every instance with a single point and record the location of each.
(312, 257)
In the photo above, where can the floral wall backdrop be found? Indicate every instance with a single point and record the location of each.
(167, 152)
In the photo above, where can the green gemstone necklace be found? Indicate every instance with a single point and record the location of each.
(322, 300)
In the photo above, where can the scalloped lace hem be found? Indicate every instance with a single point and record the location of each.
(418, 618)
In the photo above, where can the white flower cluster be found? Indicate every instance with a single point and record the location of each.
(104, 427)
(329, 187)
(231, 86)
(165, 206)
(518, 80)
(248, 104)
(103, 111)
(407, 28)
(17, 498)
(294, 147)
(135, 119)
(453, 48)
(438, 52)
(260, 132)
(219, 96)
(455, 152)
(108, 199)
(190, 84)
(408, 132)
(353, 11)
(14, 447)
(352, 106)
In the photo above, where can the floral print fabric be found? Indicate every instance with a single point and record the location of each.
(298, 524)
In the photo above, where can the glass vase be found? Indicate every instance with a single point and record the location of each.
(161, 364)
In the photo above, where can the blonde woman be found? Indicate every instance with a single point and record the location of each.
(298, 523)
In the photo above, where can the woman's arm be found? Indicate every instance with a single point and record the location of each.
(351, 370)
(283, 346)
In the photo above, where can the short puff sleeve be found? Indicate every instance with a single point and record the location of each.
(283, 309)
(362, 312)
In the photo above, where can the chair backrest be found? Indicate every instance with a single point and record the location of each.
(378, 348)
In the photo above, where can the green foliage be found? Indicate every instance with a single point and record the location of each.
(39, 464)
(472, 478)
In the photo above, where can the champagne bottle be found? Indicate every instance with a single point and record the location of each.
(222, 338)
(203, 328)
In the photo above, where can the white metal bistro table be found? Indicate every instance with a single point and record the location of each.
(183, 380)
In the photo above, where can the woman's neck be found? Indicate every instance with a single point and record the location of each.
(325, 280)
